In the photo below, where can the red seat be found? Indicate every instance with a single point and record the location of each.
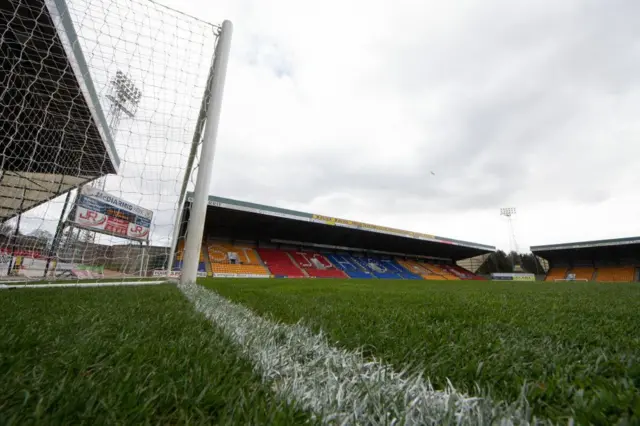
(316, 265)
(279, 263)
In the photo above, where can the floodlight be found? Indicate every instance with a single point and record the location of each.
(507, 211)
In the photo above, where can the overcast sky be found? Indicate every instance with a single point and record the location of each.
(345, 107)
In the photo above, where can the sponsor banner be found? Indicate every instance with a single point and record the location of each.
(223, 275)
(253, 210)
(515, 276)
(327, 220)
(111, 200)
(99, 211)
(571, 246)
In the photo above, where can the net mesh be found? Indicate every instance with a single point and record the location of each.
(99, 100)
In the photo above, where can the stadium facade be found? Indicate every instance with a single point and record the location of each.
(243, 239)
(614, 260)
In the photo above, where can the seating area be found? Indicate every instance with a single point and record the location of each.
(583, 272)
(231, 259)
(375, 267)
(420, 269)
(202, 267)
(316, 265)
(396, 267)
(441, 271)
(613, 274)
(348, 264)
(556, 273)
(462, 273)
(280, 263)
(228, 268)
(219, 258)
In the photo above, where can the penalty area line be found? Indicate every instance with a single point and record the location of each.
(340, 386)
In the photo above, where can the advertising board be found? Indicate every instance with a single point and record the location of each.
(512, 276)
(99, 211)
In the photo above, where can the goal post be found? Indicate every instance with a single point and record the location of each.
(195, 228)
(102, 117)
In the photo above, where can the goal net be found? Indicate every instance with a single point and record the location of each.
(99, 104)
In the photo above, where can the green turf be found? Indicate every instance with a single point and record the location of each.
(575, 345)
(135, 355)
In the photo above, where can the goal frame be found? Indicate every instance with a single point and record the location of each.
(198, 211)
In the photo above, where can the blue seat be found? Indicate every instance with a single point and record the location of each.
(347, 264)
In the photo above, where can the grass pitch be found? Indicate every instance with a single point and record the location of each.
(572, 348)
(132, 355)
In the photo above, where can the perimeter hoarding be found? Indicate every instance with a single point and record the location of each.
(102, 212)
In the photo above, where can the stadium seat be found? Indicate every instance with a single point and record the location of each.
(556, 273)
(614, 274)
(229, 268)
(346, 263)
(442, 271)
(227, 258)
(375, 267)
(419, 268)
(316, 265)
(462, 273)
(583, 272)
(280, 263)
(393, 265)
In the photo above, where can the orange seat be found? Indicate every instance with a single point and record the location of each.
(424, 270)
(229, 268)
(615, 274)
(436, 269)
(219, 252)
(583, 272)
(556, 274)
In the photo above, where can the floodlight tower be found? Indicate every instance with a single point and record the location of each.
(509, 212)
(124, 97)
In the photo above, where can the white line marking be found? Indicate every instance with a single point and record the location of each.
(341, 386)
(82, 285)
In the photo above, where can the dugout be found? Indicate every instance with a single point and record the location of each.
(620, 252)
(54, 135)
(268, 226)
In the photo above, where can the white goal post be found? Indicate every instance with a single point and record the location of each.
(107, 108)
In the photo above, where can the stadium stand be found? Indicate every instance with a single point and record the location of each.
(583, 272)
(442, 271)
(280, 263)
(393, 265)
(202, 267)
(557, 273)
(462, 273)
(612, 260)
(234, 259)
(616, 274)
(375, 267)
(348, 264)
(316, 265)
(420, 269)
